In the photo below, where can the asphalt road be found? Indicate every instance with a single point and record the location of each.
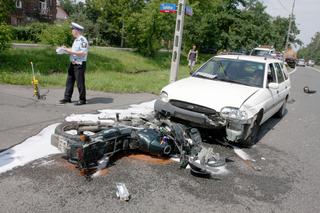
(283, 178)
(22, 115)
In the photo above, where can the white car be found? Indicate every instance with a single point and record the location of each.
(230, 92)
(310, 63)
(264, 52)
(301, 62)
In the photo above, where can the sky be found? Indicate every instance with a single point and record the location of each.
(307, 14)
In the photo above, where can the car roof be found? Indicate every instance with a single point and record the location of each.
(263, 48)
(250, 58)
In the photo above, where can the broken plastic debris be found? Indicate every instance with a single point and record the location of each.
(206, 163)
(309, 91)
(103, 163)
(122, 192)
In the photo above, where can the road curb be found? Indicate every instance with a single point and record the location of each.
(295, 69)
(315, 69)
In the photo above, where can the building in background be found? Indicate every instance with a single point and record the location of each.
(33, 10)
(61, 13)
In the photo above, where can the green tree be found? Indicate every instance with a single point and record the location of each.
(5, 31)
(6, 6)
(5, 36)
(147, 27)
(312, 50)
(219, 24)
(59, 34)
(210, 25)
(111, 17)
(71, 8)
(235, 25)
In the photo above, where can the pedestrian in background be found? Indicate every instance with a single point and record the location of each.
(76, 72)
(192, 57)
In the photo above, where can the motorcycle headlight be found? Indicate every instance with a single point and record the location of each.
(164, 97)
(234, 114)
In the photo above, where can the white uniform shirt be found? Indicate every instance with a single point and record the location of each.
(79, 44)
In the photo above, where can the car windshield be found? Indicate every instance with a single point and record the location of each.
(260, 52)
(235, 71)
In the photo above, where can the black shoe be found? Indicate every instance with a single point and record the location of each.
(63, 101)
(80, 103)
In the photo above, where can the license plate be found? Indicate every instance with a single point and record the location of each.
(63, 145)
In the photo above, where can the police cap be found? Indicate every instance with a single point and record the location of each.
(76, 26)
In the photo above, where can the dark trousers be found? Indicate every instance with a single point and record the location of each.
(76, 74)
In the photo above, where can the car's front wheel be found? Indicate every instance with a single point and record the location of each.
(252, 138)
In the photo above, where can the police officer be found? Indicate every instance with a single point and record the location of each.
(78, 57)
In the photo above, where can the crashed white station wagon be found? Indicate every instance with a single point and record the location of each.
(234, 93)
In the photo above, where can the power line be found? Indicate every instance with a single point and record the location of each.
(283, 6)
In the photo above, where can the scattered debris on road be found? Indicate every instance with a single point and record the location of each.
(308, 91)
(91, 145)
(122, 192)
(206, 162)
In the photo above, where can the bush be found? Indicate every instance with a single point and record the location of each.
(57, 35)
(30, 32)
(5, 36)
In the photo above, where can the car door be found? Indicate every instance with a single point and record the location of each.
(273, 93)
(287, 82)
(283, 87)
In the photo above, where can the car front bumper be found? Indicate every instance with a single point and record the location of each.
(235, 131)
(194, 118)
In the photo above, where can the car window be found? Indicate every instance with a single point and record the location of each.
(259, 52)
(279, 73)
(215, 67)
(233, 70)
(284, 70)
(271, 74)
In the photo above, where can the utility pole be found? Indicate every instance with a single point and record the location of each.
(290, 23)
(122, 33)
(177, 41)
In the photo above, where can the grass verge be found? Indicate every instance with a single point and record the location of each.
(108, 70)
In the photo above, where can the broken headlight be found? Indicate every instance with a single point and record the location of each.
(164, 97)
(232, 113)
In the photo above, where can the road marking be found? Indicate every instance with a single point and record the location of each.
(315, 69)
(295, 69)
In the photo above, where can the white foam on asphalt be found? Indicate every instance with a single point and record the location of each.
(134, 111)
(31, 149)
(39, 146)
(242, 154)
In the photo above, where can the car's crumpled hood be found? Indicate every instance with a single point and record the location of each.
(209, 93)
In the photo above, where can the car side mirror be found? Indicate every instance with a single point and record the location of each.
(273, 86)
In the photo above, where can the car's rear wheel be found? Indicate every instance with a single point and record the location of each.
(282, 111)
